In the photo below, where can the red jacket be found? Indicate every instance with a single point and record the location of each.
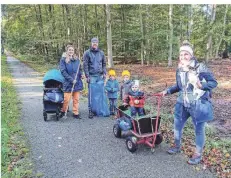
(132, 96)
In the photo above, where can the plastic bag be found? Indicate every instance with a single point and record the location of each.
(124, 123)
(98, 99)
(54, 96)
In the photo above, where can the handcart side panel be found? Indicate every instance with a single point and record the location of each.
(146, 125)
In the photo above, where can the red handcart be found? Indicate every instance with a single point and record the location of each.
(145, 130)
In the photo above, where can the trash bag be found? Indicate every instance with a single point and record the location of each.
(124, 123)
(54, 96)
(98, 99)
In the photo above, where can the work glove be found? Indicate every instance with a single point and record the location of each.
(74, 81)
(104, 76)
(164, 93)
(125, 104)
(88, 79)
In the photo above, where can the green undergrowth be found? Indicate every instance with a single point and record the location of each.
(15, 151)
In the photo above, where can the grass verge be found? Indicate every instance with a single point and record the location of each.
(14, 149)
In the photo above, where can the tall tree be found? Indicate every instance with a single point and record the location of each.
(142, 28)
(223, 31)
(170, 35)
(209, 44)
(109, 37)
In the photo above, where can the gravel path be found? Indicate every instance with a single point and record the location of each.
(85, 148)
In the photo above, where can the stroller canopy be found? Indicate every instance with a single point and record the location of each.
(53, 74)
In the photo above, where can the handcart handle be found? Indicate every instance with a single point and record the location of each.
(158, 94)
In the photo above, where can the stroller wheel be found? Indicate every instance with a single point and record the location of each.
(117, 131)
(159, 139)
(57, 116)
(131, 144)
(45, 116)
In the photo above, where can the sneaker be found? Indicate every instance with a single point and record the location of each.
(195, 159)
(112, 113)
(62, 114)
(174, 150)
(77, 116)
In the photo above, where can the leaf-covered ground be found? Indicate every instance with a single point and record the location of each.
(218, 145)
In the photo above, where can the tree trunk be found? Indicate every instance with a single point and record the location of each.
(190, 23)
(109, 37)
(170, 35)
(209, 44)
(222, 35)
(97, 24)
(68, 17)
(142, 36)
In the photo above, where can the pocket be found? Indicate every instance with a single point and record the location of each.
(203, 111)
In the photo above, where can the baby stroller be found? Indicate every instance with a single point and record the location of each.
(144, 130)
(52, 93)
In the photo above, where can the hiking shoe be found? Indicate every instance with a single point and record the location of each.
(196, 159)
(77, 116)
(62, 114)
(174, 150)
(90, 116)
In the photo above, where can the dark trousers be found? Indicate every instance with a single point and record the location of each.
(112, 105)
(135, 110)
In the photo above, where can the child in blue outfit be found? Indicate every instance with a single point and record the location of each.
(112, 88)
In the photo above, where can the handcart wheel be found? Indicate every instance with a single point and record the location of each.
(159, 139)
(117, 131)
(131, 144)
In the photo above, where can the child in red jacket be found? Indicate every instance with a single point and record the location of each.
(135, 100)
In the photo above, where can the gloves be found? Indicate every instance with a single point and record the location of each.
(88, 79)
(164, 93)
(74, 81)
(104, 76)
(125, 104)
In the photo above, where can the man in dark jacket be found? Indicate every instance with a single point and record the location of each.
(94, 64)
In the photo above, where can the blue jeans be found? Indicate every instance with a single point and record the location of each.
(135, 110)
(93, 79)
(113, 104)
(181, 116)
